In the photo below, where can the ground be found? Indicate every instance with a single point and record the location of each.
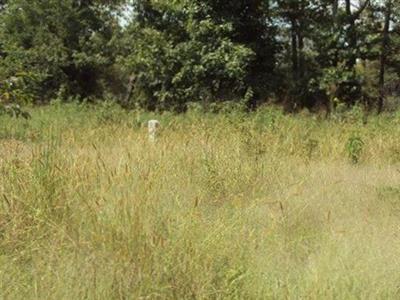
(230, 206)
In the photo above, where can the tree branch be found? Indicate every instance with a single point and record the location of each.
(363, 6)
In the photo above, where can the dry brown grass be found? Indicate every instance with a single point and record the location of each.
(237, 207)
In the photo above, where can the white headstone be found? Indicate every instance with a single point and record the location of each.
(153, 126)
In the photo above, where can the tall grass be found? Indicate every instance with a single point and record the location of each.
(229, 206)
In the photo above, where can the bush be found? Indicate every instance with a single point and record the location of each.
(197, 60)
(354, 147)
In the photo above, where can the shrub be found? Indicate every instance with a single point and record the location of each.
(355, 147)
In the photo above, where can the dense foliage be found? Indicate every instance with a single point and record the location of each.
(63, 44)
(165, 54)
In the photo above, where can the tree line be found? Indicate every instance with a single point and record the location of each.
(167, 54)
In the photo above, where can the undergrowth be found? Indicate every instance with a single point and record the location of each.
(234, 205)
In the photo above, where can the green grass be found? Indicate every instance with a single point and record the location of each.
(229, 206)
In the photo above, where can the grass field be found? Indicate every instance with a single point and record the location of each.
(228, 206)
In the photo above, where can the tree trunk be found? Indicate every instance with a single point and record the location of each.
(351, 37)
(385, 44)
(129, 90)
(301, 53)
(295, 65)
(335, 7)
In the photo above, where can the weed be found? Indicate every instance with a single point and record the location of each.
(354, 148)
(225, 207)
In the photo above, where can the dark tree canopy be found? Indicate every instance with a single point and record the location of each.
(166, 54)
